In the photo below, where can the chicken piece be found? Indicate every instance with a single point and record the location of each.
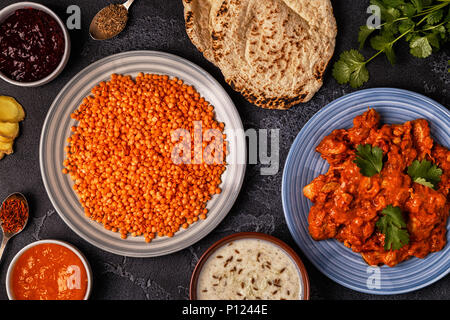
(321, 226)
(426, 209)
(421, 137)
(313, 189)
(333, 147)
(369, 119)
(362, 125)
(441, 156)
(319, 186)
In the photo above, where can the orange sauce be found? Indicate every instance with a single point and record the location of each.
(49, 271)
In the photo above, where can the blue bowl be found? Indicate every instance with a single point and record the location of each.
(303, 164)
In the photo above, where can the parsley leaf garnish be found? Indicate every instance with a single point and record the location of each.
(393, 226)
(425, 173)
(369, 159)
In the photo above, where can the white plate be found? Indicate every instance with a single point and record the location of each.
(56, 130)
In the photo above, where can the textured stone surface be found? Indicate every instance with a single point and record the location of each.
(159, 25)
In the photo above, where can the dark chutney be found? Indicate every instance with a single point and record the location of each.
(31, 45)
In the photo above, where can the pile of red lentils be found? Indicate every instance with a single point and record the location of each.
(120, 156)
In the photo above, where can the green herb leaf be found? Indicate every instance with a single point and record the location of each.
(351, 68)
(411, 35)
(369, 159)
(364, 33)
(425, 172)
(424, 182)
(424, 24)
(433, 39)
(435, 17)
(405, 25)
(441, 31)
(359, 76)
(391, 14)
(390, 54)
(393, 226)
(390, 29)
(379, 42)
(384, 43)
(420, 47)
(394, 3)
(380, 4)
(418, 4)
(408, 9)
(388, 13)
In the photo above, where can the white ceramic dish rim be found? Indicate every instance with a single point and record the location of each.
(58, 242)
(8, 11)
(242, 236)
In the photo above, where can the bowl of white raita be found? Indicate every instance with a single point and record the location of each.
(249, 266)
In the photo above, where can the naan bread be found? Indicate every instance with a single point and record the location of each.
(274, 51)
(196, 16)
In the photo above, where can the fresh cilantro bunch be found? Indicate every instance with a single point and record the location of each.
(424, 24)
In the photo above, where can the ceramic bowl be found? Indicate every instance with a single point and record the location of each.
(8, 11)
(80, 255)
(250, 235)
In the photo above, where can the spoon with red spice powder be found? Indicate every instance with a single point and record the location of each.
(14, 214)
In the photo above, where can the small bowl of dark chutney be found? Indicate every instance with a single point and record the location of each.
(34, 44)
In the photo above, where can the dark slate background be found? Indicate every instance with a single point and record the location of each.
(159, 25)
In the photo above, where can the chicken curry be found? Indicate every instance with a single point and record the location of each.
(390, 212)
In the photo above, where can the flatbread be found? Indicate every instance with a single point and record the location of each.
(196, 16)
(274, 51)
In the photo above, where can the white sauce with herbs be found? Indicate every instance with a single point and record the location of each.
(249, 269)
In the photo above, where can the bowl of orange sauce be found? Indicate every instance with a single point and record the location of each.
(49, 270)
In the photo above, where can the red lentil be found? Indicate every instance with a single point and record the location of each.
(119, 156)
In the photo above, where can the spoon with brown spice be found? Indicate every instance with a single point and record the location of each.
(110, 21)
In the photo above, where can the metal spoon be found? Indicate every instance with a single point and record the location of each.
(96, 34)
(8, 235)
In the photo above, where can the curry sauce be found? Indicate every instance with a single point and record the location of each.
(49, 271)
(347, 204)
